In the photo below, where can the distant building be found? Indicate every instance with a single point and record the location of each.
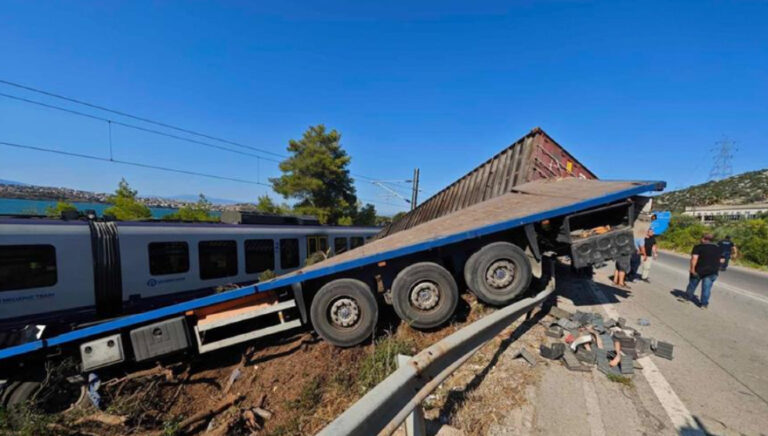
(730, 211)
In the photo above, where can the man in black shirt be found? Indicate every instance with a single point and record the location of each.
(705, 264)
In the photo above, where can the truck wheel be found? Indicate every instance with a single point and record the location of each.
(498, 273)
(344, 312)
(19, 392)
(424, 295)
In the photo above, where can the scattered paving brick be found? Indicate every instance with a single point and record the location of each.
(555, 331)
(553, 353)
(627, 365)
(586, 356)
(572, 363)
(527, 355)
(571, 328)
(559, 313)
(664, 349)
(607, 340)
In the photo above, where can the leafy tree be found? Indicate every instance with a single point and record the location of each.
(265, 204)
(366, 216)
(345, 221)
(397, 216)
(382, 220)
(199, 211)
(126, 206)
(317, 176)
(61, 207)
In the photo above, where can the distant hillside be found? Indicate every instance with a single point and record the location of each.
(11, 182)
(751, 187)
(194, 197)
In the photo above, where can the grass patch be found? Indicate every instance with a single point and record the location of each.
(302, 408)
(310, 396)
(25, 420)
(626, 381)
(382, 362)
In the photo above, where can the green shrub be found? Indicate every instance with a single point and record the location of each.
(749, 236)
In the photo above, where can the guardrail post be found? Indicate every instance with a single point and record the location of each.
(414, 423)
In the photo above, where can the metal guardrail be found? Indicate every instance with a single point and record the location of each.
(388, 404)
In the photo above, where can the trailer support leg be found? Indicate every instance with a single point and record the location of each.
(533, 241)
(298, 295)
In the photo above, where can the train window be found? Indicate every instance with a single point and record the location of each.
(217, 259)
(259, 255)
(289, 253)
(339, 245)
(168, 258)
(356, 241)
(317, 243)
(27, 266)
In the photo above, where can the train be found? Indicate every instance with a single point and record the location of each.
(64, 273)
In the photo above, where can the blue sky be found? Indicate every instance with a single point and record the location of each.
(635, 90)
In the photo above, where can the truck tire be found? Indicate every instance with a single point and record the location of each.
(498, 273)
(344, 312)
(424, 295)
(19, 392)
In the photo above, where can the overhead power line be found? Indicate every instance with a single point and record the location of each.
(143, 119)
(148, 166)
(124, 162)
(110, 122)
(135, 117)
(133, 126)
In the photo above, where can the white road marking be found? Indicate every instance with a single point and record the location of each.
(718, 284)
(679, 415)
(594, 416)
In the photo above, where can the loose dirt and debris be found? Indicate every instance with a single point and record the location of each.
(285, 385)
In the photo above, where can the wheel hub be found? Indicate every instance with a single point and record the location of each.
(500, 274)
(425, 295)
(345, 312)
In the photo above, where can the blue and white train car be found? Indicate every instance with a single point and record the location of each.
(55, 272)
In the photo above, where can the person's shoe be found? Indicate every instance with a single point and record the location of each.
(705, 306)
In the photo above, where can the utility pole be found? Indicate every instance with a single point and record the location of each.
(722, 167)
(415, 191)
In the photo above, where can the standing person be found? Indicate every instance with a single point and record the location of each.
(649, 252)
(728, 249)
(622, 266)
(706, 258)
(635, 260)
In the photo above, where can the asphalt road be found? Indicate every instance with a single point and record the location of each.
(743, 279)
(720, 368)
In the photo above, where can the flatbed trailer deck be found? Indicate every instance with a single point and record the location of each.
(528, 204)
